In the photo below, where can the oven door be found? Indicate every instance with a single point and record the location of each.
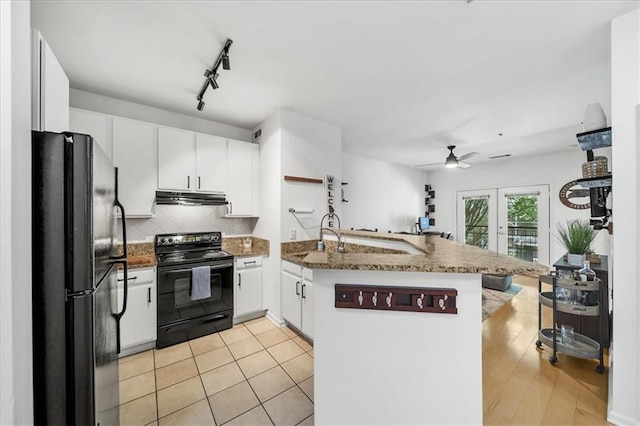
(174, 293)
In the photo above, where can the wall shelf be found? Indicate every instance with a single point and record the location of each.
(302, 179)
(596, 182)
(594, 139)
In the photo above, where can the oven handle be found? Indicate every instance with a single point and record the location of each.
(189, 323)
(220, 266)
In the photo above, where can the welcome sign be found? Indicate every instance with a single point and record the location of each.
(330, 191)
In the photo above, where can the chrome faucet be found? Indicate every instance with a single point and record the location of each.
(337, 234)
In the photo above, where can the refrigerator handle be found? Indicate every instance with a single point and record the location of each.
(117, 203)
(124, 302)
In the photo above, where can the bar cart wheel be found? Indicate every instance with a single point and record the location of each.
(553, 360)
(600, 369)
(539, 344)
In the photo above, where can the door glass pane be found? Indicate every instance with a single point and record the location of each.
(522, 227)
(476, 222)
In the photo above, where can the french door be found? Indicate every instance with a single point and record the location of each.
(512, 221)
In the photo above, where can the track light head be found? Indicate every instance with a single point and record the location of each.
(213, 82)
(200, 104)
(226, 65)
(207, 73)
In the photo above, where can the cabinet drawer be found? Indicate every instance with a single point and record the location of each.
(292, 268)
(139, 276)
(248, 262)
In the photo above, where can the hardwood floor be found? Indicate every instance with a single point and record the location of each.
(520, 386)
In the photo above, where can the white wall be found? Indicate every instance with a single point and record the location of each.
(313, 149)
(269, 223)
(624, 389)
(16, 398)
(120, 108)
(554, 169)
(381, 195)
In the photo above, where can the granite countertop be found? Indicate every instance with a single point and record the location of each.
(234, 246)
(142, 254)
(440, 255)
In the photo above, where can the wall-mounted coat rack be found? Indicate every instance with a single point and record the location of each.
(412, 299)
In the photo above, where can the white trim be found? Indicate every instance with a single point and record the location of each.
(619, 419)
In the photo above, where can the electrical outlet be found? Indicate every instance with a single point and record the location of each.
(292, 234)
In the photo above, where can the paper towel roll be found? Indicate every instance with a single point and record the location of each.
(300, 210)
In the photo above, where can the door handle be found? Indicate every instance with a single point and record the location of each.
(230, 207)
(198, 182)
(239, 280)
(297, 288)
(149, 295)
(304, 296)
(188, 182)
(128, 279)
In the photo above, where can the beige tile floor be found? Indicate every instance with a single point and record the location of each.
(252, 374)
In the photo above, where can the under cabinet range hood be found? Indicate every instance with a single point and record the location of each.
(190, 198)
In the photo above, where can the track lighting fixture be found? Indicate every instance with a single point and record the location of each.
(211, 74)
(225, 62)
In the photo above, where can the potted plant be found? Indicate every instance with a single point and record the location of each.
(576, 235)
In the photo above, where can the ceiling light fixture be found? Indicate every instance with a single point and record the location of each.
(452, 160)
(211, 74)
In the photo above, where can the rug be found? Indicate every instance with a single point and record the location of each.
(492, 300)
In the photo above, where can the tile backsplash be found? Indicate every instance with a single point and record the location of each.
(169, 219)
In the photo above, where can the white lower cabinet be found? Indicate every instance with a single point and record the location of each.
(297, 297)
(248, 285)
(138, 325)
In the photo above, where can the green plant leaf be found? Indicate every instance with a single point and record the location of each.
(576, 235)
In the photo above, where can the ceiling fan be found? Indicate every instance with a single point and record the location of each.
(452, 161)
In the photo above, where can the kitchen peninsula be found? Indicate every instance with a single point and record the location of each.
(390, 367)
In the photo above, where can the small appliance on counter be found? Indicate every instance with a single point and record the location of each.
(195, 286)
(76, 335)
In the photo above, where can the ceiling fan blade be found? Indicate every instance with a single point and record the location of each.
(426, 165)
(463, 165)
(469, 155)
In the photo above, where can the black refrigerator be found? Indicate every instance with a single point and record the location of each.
(76, 311)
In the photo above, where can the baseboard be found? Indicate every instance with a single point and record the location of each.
(248, 317)
(618, 419)
(277, 321)
(135, 349)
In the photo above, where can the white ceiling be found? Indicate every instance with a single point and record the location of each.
(402, 79)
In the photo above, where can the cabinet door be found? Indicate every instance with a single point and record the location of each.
(248, 291)
(307, 308)
(94, 124)
(138, 324)
(134, 153)
(240, 180)
(211, 163)
(54, 92)
(176, 160)
(291, 286)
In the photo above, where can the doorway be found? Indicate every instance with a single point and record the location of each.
(512, 221)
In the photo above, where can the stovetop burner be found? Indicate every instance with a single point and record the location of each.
(191, 247)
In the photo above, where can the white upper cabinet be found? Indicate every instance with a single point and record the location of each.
(50, 89)
(243, 163)
(94, 124)
(211, 163)
(134, 153)
(176, 160)
(191, 162)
